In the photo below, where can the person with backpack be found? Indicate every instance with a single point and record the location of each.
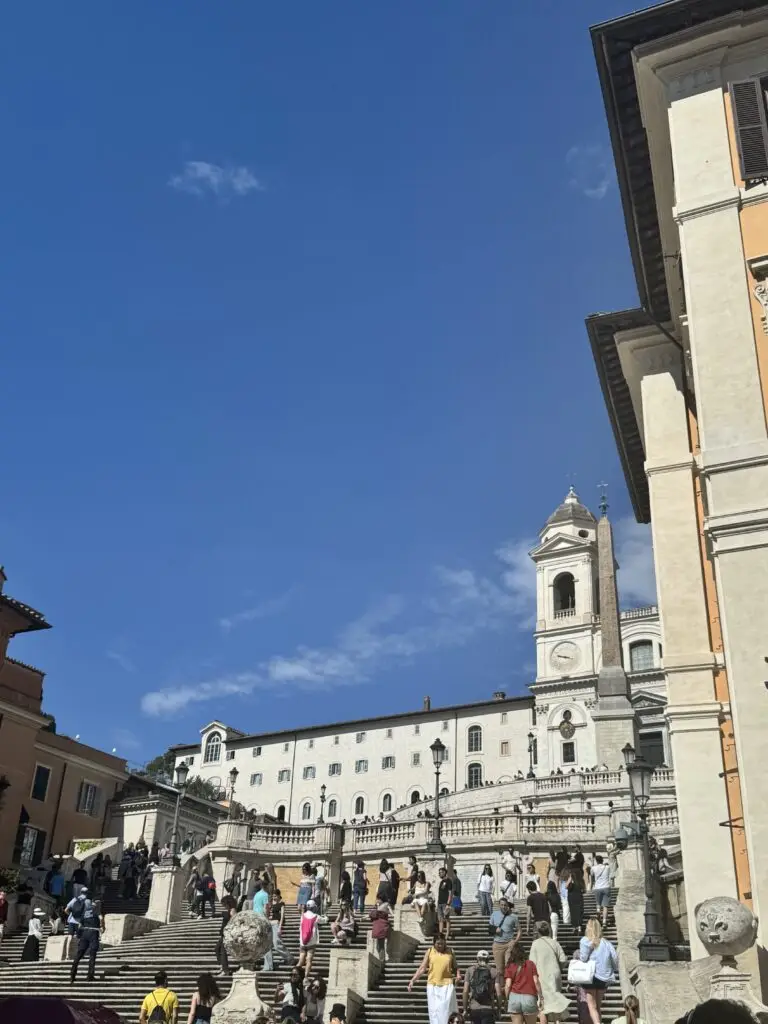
(161, 1005)
(76, 910)
(309, 936)
(480, 990)
(88, 940)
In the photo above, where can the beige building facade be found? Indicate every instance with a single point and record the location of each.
(684, 378)
(57, 789)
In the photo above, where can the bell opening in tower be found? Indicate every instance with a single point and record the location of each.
(564, 589)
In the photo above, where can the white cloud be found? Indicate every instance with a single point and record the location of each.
(634, 553)
(199, 178)
(263, 610)
(591, 170)
(119, 658)
(460, 604)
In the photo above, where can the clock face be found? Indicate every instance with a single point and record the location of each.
(565, 657)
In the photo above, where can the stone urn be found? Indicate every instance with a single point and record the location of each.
(247, 938)
(728, 928)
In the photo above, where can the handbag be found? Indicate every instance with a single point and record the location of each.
(581, 973)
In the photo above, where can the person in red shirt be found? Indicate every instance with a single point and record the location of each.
(522, 987)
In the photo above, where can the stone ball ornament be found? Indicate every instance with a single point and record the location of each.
(725, 927)
(247, 938)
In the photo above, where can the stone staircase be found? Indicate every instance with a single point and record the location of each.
(124, 974)
(391, 1001)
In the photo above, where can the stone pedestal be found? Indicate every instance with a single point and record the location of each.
(242, 1005)
(59, 948)
(731, 983)
(351, 975)
(166, 894)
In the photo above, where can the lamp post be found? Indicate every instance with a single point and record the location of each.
(653, 945)
(232, 780)
(531, 745)
(182, 772)
(435, 842)
(321, 819)
(629, 757)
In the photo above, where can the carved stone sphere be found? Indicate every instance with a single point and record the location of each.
(725, 926)
(247, 937)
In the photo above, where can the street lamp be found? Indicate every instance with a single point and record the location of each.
(321, 819)
(653, 945)
(182, 772)
(531, 747)
(232, 780)
(629, 759)
(435, 843)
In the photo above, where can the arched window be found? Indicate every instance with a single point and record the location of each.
(641, 656)
(386, 803)
(306, 811)
(415, 796)
(444, 791)
(281, 812)
(564, 592)
(475, 775)
(212, 748)
(360, 805)
(333, 808)
(475, 739)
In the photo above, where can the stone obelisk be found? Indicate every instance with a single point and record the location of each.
(614, 718)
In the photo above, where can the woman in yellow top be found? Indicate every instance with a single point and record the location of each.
(439, 964)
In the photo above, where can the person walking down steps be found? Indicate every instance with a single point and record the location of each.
(439, 964)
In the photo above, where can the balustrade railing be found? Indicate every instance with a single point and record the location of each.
(662, 818)
(565, 613)
(562, 824)
(283, 835)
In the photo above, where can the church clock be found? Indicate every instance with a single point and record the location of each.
(565, 657)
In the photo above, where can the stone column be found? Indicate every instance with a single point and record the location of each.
(166, 894)
(653, 365)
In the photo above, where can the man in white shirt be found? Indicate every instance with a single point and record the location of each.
(600, 883)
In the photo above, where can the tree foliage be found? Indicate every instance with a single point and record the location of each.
(203, 788)
(161, 767)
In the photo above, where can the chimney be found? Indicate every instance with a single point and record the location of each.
(499, 695)
(427, 704)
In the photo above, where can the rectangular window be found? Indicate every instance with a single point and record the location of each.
(30, 843)
(651, 747)
(533, 715)
(190, 761)
(334, 769)
(415, 760)
(505, 748)
(40, 785)
(284, 775)
(361, 766)
(286, 747)
(88, 799)
(641, 656)
(389, 734)
(230, 755)
(416, 730)
(256, 779)
(360, 737)
(387, 762)
(309, 771)
(446, 755)
(446, 726)
(256, 752)
(569, 753)
(503, 717)
(748, 102)
(310, 744)
(335, 741)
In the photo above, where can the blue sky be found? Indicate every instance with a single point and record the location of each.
(294, 364)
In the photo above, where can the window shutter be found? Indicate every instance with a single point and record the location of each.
(79, 804)
(37, 853)
(96, 802)
(751, 128)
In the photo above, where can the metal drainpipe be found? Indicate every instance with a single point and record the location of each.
(58, 805)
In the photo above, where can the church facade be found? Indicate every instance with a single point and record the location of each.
(381, 765)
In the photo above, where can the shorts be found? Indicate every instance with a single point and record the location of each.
(603, 897)
(519, 1003)
(596, 983)
(444, 911)
(484, 1015)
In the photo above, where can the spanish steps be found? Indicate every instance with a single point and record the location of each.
(186, 948)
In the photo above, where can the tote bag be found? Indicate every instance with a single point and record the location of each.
(580, 973)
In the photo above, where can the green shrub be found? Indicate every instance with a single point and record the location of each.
(9, 879)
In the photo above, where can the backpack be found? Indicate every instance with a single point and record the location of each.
(212, 886)
(307, 928)
(158, 1014)
(481, 986)
(78, 910)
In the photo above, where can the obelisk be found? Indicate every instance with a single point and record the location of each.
(614, 718)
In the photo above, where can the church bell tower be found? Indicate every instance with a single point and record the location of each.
(567, 600)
